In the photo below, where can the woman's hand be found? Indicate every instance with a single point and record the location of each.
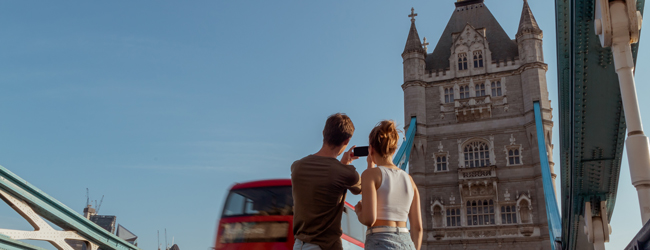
(371, 163)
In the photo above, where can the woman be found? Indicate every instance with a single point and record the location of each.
(389, 196)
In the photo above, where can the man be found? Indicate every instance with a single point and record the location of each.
(320, 183)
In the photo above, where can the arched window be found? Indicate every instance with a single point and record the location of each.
(480, 212)
(480, 89)
(449, 95)
(496, 88)
(478, 59)
(477, 154)
(462, 61)
(508, 214)
(453, 217)
(514, 157)
(441, 162)
(464, 91)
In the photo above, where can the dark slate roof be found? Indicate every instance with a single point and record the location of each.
(175, 247)
(105, 221)
(476, 14)
(125, 234)
(413, 43)
(528, 22)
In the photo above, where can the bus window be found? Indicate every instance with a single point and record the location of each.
(344, 220)
(247, 232)
(234, 205)
(259, 201)
(357, 230)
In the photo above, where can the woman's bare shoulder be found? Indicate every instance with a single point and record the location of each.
(371, 173)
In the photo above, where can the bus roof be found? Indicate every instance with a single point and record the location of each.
(262, 183)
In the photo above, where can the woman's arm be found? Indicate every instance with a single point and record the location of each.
(367, 213)
(415, 217)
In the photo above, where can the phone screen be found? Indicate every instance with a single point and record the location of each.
(360, 151)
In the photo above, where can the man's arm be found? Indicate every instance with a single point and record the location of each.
(356, 187)
(353, 181)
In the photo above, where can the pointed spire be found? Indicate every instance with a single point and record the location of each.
(527, 23)
(425, 44)
(413, 43)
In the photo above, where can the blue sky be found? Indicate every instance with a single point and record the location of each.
(162, 106)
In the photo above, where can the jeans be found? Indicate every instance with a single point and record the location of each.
(299, 245)
(389, 241)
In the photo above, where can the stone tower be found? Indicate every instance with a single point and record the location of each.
(475, 157)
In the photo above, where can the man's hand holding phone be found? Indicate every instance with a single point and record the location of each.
(348, 157)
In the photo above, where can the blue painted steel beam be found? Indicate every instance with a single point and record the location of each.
(402, 157)
(58, 213)
(7, 243)
(552, 211)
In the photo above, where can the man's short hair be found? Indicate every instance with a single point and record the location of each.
(338, 128)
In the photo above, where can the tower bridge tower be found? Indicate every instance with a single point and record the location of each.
(475, 157)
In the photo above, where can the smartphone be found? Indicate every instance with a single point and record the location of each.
(360, 151)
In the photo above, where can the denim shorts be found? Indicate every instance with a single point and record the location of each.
(299, 245)
(389, 240)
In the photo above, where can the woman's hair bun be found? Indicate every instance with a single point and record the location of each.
(384, 137)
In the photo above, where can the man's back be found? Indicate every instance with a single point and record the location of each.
(319, 188)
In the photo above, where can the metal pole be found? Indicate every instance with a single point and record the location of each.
(637, 144)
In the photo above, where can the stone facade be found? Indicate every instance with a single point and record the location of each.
(475, 158)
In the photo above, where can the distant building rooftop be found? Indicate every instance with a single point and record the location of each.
(105, 221)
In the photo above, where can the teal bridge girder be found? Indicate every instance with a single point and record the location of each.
(32, 204)
(401, 159)
(592, 121)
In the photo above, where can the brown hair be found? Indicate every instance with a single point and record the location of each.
(384, 137)
(338, 128)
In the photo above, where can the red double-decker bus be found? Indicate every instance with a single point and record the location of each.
(259, 215)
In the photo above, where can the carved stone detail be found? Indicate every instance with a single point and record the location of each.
(527, 231)
(454, 234)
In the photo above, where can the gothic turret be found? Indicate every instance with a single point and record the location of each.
(533, 77)
(413, 43)
(414, 93)
(413, 54)
(529, 41)
(529, 37)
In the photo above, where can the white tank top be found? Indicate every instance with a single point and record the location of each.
(394, 195)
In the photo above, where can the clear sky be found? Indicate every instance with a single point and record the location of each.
(161, 106)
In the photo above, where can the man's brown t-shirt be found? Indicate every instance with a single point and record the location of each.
(319, 187)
